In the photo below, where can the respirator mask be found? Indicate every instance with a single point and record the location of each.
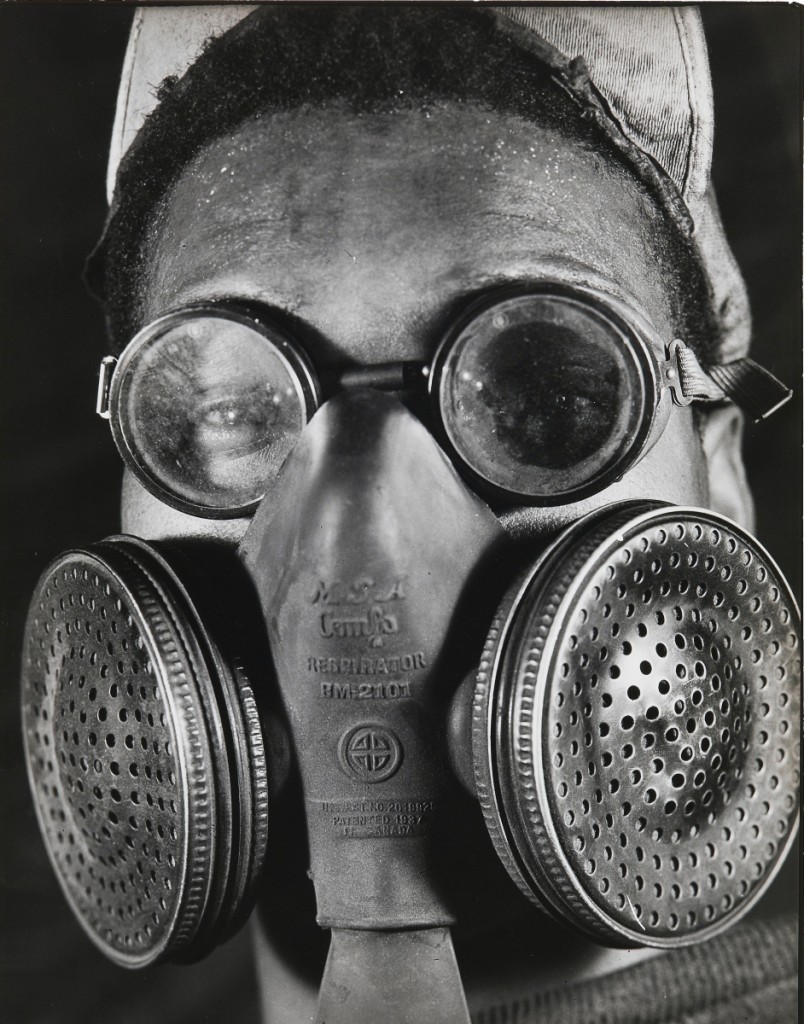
(626, 718)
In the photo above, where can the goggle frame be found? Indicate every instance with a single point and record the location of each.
(678, 374)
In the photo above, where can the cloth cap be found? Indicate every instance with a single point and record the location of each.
(648, 65)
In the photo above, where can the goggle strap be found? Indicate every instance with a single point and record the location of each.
(750, 386)
(753, 388)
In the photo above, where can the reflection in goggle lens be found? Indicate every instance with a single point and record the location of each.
(211, 410)
(541, 396)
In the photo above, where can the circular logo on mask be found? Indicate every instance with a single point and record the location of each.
(370, 753)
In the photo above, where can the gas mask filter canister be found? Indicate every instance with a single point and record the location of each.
(633, 722)
(146, 755)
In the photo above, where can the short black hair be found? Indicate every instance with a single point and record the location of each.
(371, 58)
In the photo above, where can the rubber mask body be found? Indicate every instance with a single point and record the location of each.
(372, 563)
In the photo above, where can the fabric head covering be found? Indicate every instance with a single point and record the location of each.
(646, 67)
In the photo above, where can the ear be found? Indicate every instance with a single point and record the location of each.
(722, 438)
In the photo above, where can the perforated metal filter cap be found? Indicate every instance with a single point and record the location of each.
(145, 755)
(635, 725)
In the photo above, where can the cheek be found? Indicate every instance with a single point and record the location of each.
(674, 470)
(143, 515)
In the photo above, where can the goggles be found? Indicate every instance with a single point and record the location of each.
(540, 396)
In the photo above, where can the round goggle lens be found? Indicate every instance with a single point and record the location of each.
(209, 408)
(542, 396)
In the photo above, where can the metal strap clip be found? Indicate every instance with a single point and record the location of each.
(686, 379)
(108, 363)
(750, 386)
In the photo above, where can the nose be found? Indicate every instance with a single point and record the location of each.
(368, 479)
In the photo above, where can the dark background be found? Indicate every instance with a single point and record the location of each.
(59, 472)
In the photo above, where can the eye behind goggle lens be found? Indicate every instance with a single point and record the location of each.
(543, 397)
(208, 407)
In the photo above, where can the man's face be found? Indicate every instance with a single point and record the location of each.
(373, 231)
(368, 236)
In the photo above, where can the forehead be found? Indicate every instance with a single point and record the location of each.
(370, 228)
